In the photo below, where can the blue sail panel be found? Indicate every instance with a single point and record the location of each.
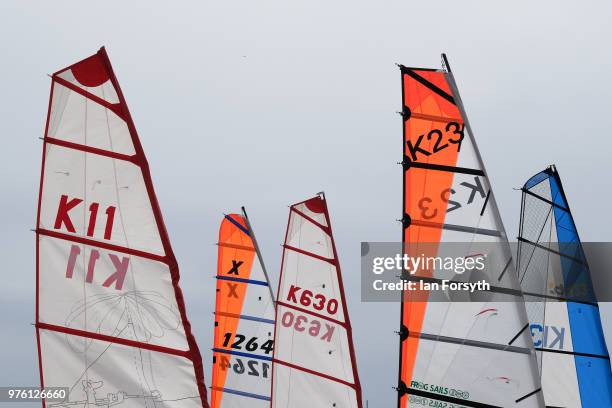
(588, 348)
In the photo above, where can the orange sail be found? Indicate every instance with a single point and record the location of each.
(450, 351)
(244, 320)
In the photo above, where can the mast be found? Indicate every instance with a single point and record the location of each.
(562, 306)
(314, 358)
(258, 251)
(111, 322)
(447, 198)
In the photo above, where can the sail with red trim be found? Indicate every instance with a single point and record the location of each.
(244, 320)
(562, 307)
(314, 359)
(466, 353)
(110, 317)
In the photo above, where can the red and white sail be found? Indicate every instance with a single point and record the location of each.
(314, 359)
(110, 316)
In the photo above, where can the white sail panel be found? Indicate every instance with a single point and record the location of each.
(77, 119)
(314, 362)
(98, 198)
(297, 389)
(111, 320)
(99, 373)
(106, 292)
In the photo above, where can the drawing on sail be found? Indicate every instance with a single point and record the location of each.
(110, 317)
(314, 359)
(562, 307)
(476, 353)
(244, 320)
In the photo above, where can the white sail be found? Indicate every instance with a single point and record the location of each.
(314, 361)
(110, 317)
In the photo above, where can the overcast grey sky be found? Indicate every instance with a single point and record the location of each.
(264, 103)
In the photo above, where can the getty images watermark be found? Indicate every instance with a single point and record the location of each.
(411, 264)
(486, 272)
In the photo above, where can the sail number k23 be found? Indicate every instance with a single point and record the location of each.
(441, 139)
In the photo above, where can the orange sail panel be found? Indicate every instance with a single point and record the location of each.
(450, 351)
(244, 321)
(314, 358)
(110, 317)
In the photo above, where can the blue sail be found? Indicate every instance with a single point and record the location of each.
(562, 306)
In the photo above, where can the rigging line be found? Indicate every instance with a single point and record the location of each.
(545, 301)
(538, 239)
(259, 255)
(505, 268)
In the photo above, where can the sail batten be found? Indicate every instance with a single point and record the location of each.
(110, 313)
